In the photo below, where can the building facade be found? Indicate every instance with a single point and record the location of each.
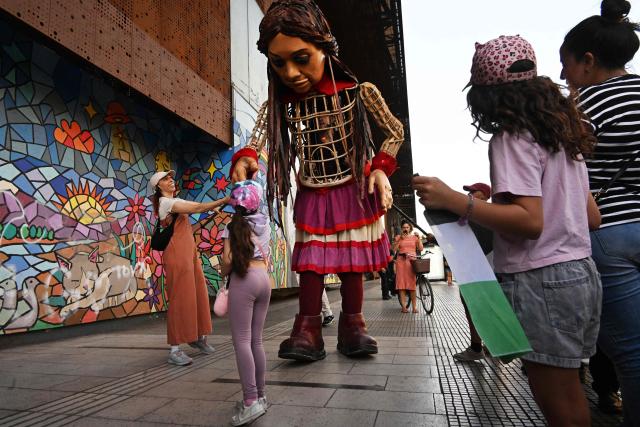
(95, 96)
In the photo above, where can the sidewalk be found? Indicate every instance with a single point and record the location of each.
(122, 378)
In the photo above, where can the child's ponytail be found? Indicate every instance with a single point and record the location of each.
(242, 247)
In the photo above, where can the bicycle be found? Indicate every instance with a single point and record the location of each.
(422, 266)
(424, 291)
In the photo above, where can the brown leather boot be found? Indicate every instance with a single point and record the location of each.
(305, 343)
(353, 339)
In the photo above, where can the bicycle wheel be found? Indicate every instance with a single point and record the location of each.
(426, 293)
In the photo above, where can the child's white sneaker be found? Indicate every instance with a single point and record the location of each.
(262, 399)
(246, 414)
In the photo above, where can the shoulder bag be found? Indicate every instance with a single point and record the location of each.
(221, 304)
(161, 237)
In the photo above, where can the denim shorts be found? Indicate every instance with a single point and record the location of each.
(559, 308)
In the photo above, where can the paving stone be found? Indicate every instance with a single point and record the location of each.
(364, 380)
(38, 367)
(271, 375)
(279, 416)
(114, 371)
(321, 366)
(4, 413)
(392, 370)
(412, 351)
(133, 408)
(438, 398)
(38, 419)
(82, 383)
(218, 339)
(395, 419)
(206, 375)
(414, 343)
(383, 400)
(82, 404)
(228, 363)
(104, 422)
(296, 396)
(399, 359)
(194, 390)
(21, 398)
(20, 379)
(193, 412)
(413, 384)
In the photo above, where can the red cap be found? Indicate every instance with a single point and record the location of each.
(479, 186)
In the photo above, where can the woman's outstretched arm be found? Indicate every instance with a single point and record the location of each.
(188, 207)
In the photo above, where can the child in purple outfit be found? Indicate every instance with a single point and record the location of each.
(245, 258)
(541, 215)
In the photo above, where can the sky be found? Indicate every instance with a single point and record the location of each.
(439, 40)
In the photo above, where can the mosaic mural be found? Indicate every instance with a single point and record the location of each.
(76, 153)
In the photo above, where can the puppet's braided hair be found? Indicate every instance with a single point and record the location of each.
(305, 20)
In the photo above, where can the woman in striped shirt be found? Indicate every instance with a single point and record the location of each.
(594, 55)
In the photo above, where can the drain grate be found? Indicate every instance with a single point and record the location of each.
(308, 385)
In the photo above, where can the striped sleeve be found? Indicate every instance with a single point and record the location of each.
(614, 110)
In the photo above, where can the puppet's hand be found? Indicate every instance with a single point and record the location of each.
(378, 179)
(244, 169)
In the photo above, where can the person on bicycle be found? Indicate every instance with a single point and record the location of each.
(407, 245)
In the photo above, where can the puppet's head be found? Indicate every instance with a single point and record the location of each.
(297, 18)
(297, 40)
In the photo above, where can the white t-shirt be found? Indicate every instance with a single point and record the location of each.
(166, 204)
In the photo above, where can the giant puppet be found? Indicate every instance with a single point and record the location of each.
(315, 122)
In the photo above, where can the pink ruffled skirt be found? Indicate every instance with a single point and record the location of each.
(336, 234)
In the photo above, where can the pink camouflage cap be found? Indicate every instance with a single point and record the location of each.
(493, 61)
(247, 194)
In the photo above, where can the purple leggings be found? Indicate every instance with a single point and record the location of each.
(248, 303)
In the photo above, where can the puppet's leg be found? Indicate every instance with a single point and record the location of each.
(305, 343)
(353, 338)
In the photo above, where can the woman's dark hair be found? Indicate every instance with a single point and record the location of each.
(404, 221)
(537, 106)
(302, 19)
(240, 241)
(610, 37)
(155, 200)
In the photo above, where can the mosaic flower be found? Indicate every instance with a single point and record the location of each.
(156, 256)
(152, 295)
(136, 209)
(211, 240)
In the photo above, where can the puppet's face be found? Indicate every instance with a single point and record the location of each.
(299, 64)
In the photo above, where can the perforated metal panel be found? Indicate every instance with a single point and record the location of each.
(177, 53)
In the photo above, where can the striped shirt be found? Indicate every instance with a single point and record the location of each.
(614, 110)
